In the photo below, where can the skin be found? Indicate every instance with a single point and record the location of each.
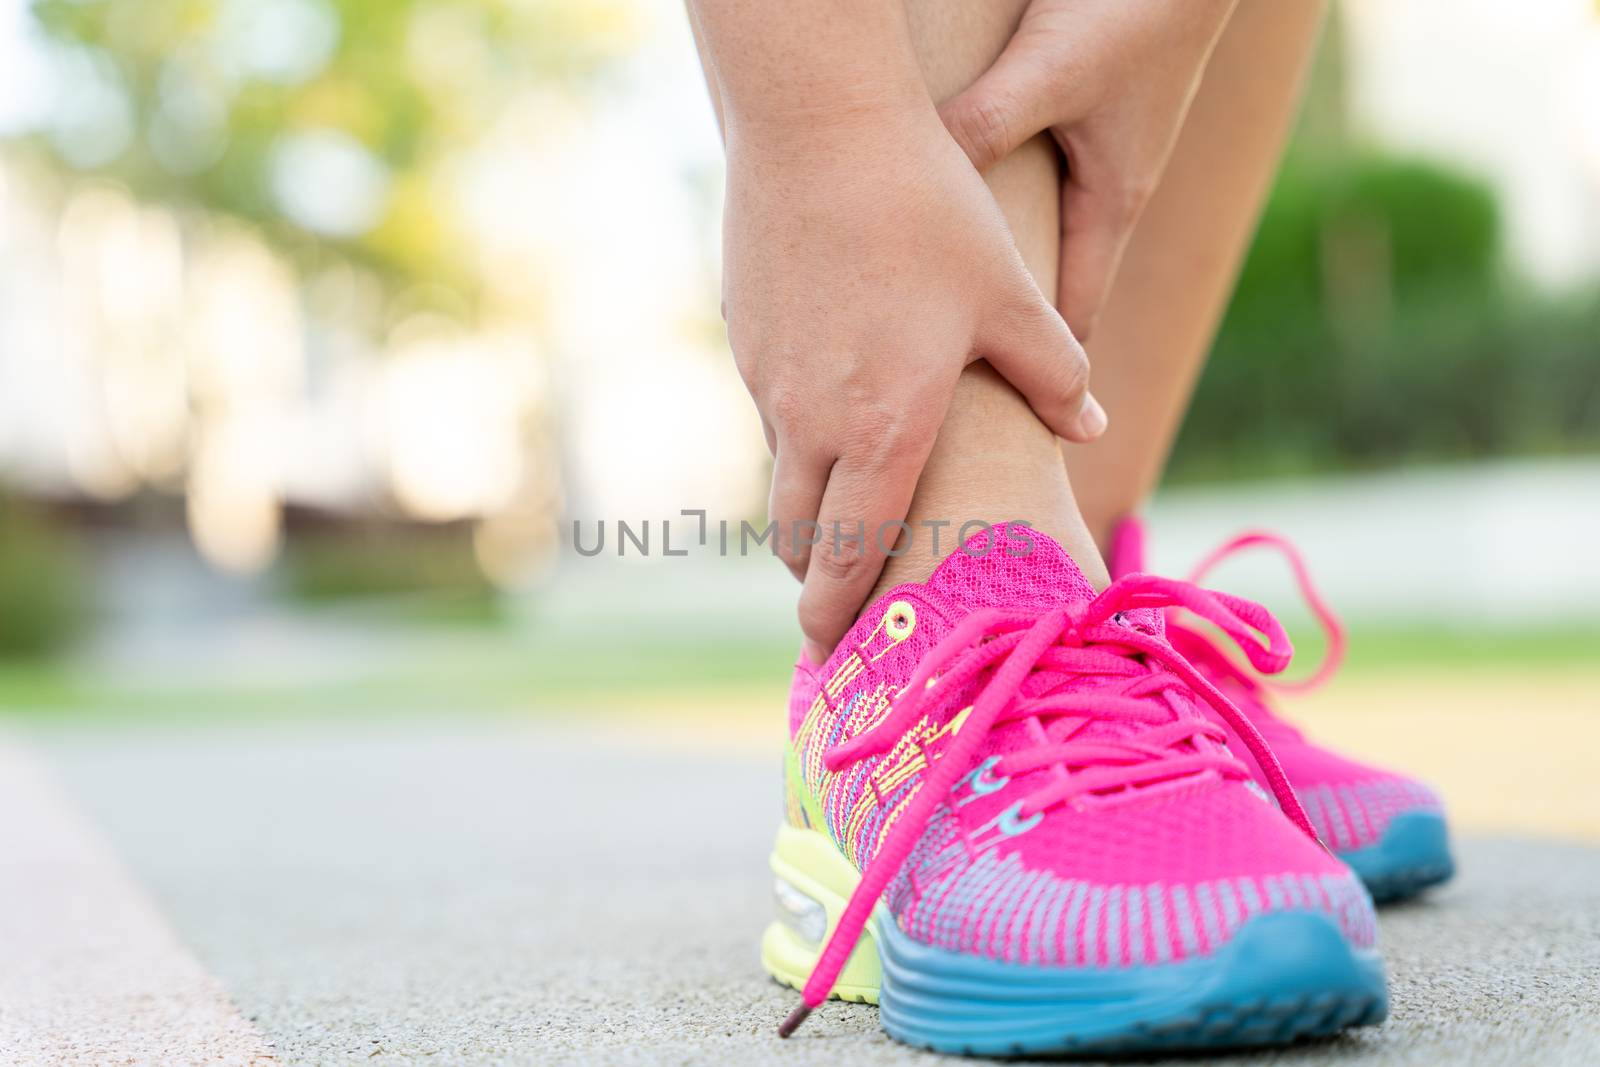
(1178, 272)
(1111, 82)
(994, 456)
(867, 271)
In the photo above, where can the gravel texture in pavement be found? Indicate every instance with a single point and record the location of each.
(493, 892)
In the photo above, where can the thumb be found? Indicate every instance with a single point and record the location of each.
(1030, 346)
(1009, 103)
(1095, 228)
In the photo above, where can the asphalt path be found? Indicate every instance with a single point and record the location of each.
(496, 892)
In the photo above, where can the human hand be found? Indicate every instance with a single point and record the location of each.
(866, 264)
(1112, 81)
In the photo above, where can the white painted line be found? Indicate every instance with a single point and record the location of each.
(90, 971)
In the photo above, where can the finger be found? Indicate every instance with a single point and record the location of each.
(862, 503)
(799, 477)
(1029, 344)
(1095, 228)
(1009, 103)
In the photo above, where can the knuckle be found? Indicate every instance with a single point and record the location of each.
(983, 125)
(785, 406)
(1076, 368)
(898, 435)
(875, 429)
(1069, 378)
(1074, 384)
(837, 564)
(907, 454)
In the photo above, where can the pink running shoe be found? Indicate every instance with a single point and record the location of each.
(1388, 827)
(1011, 826)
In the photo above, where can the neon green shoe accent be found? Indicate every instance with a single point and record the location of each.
(813, 883)
(797, 792)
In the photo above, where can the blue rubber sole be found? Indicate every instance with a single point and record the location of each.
(1283, 976)
(1412, 855)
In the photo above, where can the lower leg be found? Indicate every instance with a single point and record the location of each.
(993, 459)
(1179, 269)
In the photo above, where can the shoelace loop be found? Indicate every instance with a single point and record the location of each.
(1013, 645)
(1332, 629)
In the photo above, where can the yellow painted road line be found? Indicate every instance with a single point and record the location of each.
(90, 971)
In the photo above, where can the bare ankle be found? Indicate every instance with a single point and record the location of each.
(993, 462)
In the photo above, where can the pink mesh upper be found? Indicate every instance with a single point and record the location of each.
(1141, 875)
(1349, 802)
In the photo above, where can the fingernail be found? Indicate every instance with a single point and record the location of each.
(815, 653)
(1091, 417)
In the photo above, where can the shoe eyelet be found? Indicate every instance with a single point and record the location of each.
(899, 620)
(980, 782)
(1011, 823)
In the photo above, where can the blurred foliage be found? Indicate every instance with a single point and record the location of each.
(1372, 324)
(216, 89)
(42, 600)
(1376, 322)
(422, 573)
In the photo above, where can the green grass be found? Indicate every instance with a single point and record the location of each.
(36, 684)
(489, 673)
(1374, 650)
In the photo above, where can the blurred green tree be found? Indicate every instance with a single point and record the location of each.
(272, 110)
(42, 599)
(1375, 322)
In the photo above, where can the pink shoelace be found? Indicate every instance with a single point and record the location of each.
(1331, 627)
(1075, 641)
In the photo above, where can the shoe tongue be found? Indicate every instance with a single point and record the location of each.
(1014, 566)
(1011, 566)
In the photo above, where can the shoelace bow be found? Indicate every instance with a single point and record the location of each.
(1077, 640)
(1332, 629)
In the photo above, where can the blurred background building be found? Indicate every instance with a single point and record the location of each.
(321, 320)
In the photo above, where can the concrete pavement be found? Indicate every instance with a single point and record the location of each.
(488, 892)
